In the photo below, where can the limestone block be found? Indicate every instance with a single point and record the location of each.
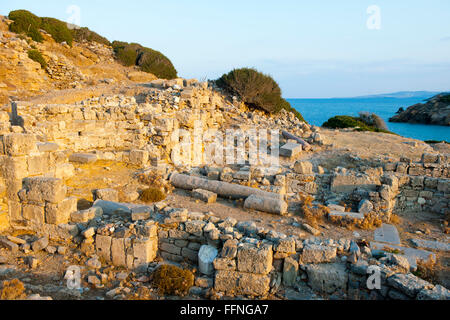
(139, 157)
(204, 195)
(33, 213)
(239, 283)
(118, 254)
(313, 253)
(303, 167)
(206, 256)
(144, 251)
(255, 260)
(39, 189)
(60, 213)
(327, 278)
(19, 144)
(103, 246)
(106, 194)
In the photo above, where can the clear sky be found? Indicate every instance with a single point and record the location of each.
(314, 49)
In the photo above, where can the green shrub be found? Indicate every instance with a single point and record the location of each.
(340, 122)
(80, 34)
(148, 60)
(126, 53)
(256, 90)
(173, 280)
(36, 55)
(57, 29)
(27, 23)
(156, 63)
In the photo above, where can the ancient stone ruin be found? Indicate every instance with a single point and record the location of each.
(44, 146)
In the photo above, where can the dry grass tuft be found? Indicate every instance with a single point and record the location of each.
(427, 271)
(152, 195)
(395, 219)
(370, 222)
(173, 280)
(13, 290)
(313, 214)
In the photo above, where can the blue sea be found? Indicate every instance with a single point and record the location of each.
(318, 111)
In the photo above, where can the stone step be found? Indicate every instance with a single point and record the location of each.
(411, 254)
(387, 233)
(430, 245)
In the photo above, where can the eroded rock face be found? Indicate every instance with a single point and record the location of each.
(435, 111)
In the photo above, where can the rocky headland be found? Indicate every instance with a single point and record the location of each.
(435, 111)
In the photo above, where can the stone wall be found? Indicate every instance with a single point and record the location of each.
(22, 156)
(424, 185)
(242, 259)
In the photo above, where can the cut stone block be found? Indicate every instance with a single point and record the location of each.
(336, 207)
(103, 245)
(346, 215)
(313, 253)
(290, 272)
(60, 213)
(303, 167)
(139, 157)
(240, 283)
(47, 147)
(83, 158)
(144, 251)
(206, 256)
(290, 150)
(40, 189)
(106, 194)
(84, 216)
(431, 245)
(34, 213)
(204, 195)
(19, 144)
(255, 260)
(327, 278)
(387, 233)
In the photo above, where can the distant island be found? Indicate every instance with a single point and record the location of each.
(435, 110)
(400, 95)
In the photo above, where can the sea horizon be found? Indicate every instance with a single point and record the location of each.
(316, 111)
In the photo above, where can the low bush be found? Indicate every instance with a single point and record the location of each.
(148, 60)
(155, 62)
(36, 55)
(341, 122)
(152, 195)
(172, 280)
(26, 23)
(256, 89)
(57, 29)
(80, 34)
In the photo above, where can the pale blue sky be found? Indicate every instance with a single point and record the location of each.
(314, 49)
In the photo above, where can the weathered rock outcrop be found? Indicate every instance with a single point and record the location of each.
(435, 111)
